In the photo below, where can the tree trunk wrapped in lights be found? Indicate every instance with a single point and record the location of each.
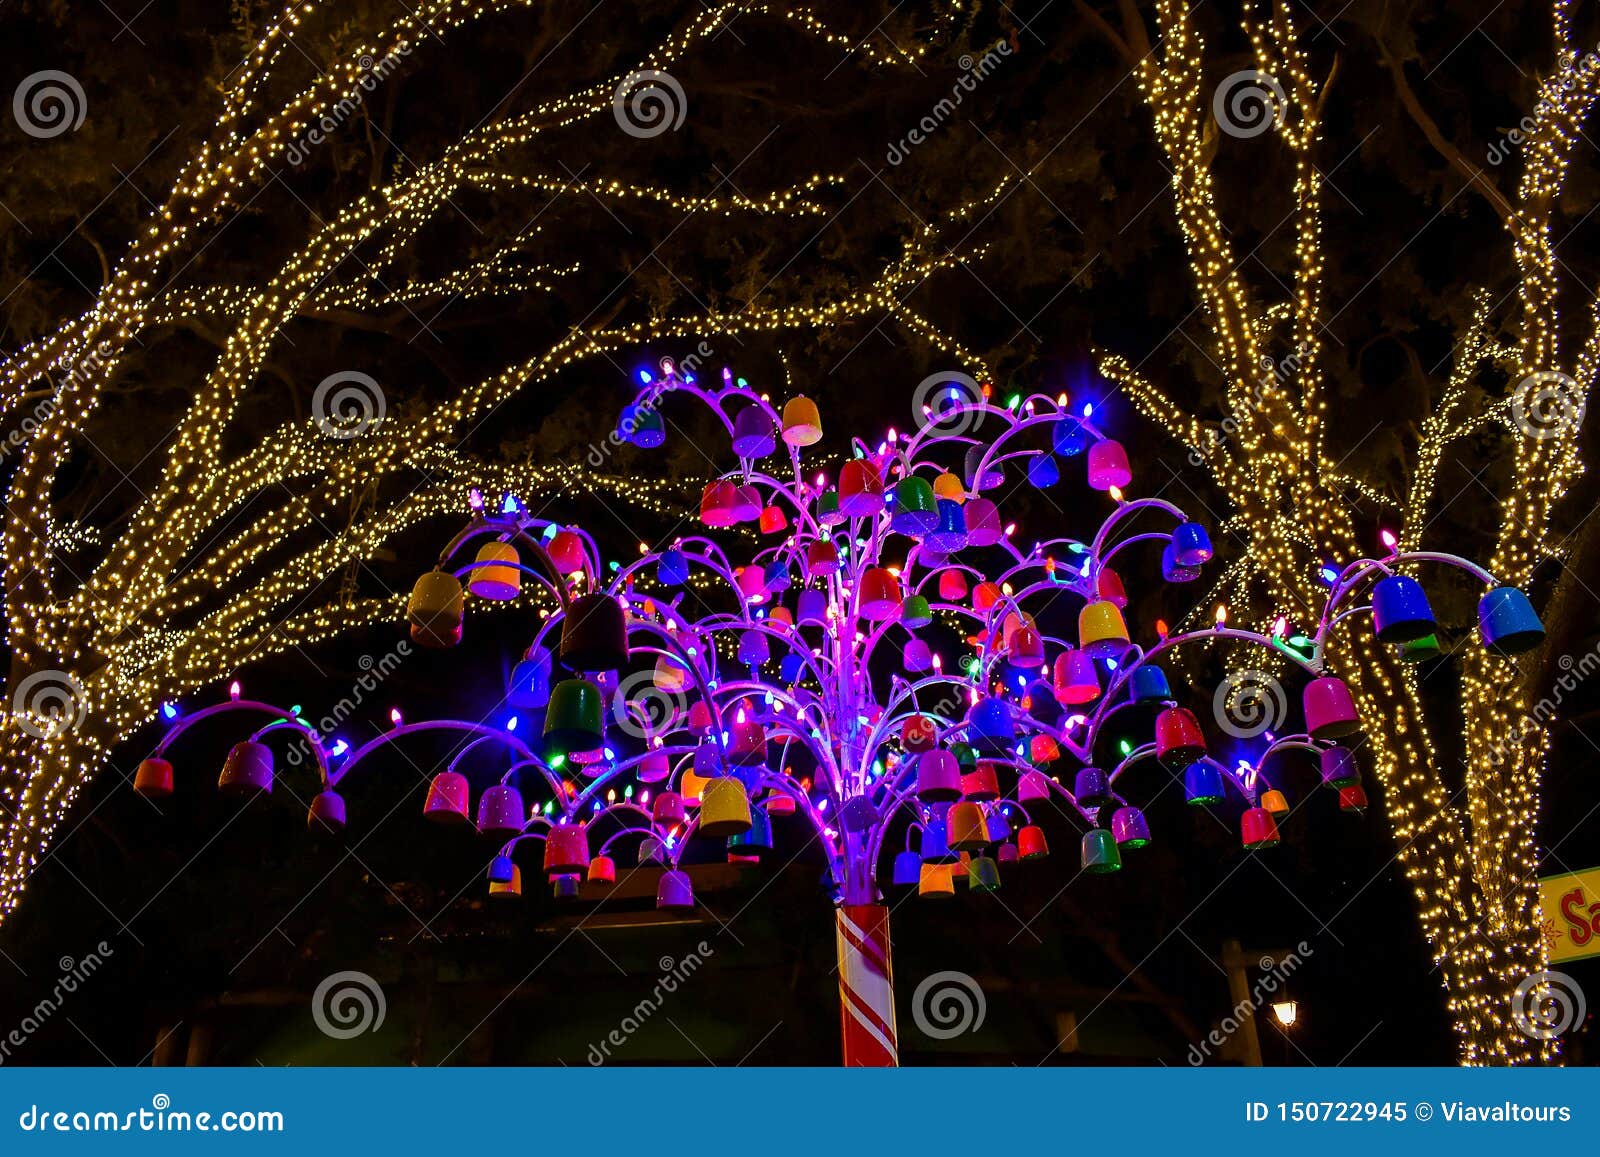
(228, 555)
(1470, 856)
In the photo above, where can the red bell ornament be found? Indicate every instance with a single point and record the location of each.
(566, 849)
(1076, 680)
(1109, 586)
(153, 780)
(1257, 829)
(822, 558)
(919, 733)
(860, 489)
(982, 783)
(1179, 740)
(1031, 844)
(602, 870)
(985, 596)
(717, 503)
(880, 595)
(773, 521)
(447, 798)
(566, 552)
(952, 586)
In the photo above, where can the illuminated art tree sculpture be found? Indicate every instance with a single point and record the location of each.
(709, 694)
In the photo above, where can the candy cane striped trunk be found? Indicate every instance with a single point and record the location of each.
(866, 987)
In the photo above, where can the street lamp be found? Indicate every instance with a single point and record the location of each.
(1286, 1011)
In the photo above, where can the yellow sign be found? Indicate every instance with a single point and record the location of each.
(1571, 904)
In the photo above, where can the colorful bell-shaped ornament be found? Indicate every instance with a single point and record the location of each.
(1191, 544)
(153, 780)
(496, 574)
(1043, 750)
(983, 523)
(1129, 828)
(952, 586)
(822, 559)
(1033, 785)
(672, 568)
(982, 783)
(991, 727)
(1508, 623)
(502, 870)
(860, 489)
(879, 598)
(916, 613)
(1353, 798)
(812, 609)
(1174, 571)
(752, 583)
(1400, 610)
(917, 656)
(1069, 437)
(327, 814)
(802, 424)
(501, 813)
(778, 577)
(1031, 844)
(919, 733)
(1043, 471)
(447, 800)
(724, 808)
(1179, 740)
(1202, 784)
(717, 502)
(1100, 854)
(668, 809)
(907, 869)
(1108, 465)
(1420, 650)
(983, 874)
(981, 475)
(1275, 802)
(642, 426)
(947, 485)
(1076, 680)
(935, 847)
(1108, 586)
(753, 434)
(507, 889)
(654, 767)
(951, 533)
(675, 889)
(1101, 630)
(773, 520)
(965, 827)
(1330, 710)
(1257, 829)
(436, 609)
(913, 511)
(754, 648)
(247, 770)
(1339, 767)
(594, 634)
(566, 553)
(1091, 787)
(936, 882)
(756, 839)
(938, 777)
(566, 887)
(828, 512)
(1148, 685)
(529, 686)
(575, 719)
(602, 870)
(984, 597)
(566, 849)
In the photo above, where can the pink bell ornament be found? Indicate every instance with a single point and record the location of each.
(501, 812)
(247, 770)
(1108, 465)
(1330, 711)
(447, 799)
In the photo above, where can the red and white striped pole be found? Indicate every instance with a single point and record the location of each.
(866, 987)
